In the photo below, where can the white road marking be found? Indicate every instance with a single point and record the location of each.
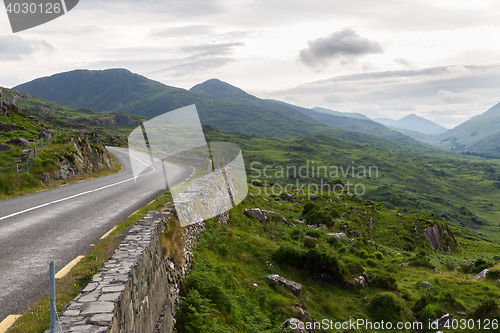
(79, 194)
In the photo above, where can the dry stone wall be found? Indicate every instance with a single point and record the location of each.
(136, 290)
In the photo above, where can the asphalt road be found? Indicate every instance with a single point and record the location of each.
(61, 223)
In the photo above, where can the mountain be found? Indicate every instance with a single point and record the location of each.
(219, 104)
(354, 124)
(415, 123)
(341, 114)
(478, 135)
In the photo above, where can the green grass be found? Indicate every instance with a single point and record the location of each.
(227, 289)
(461, 191)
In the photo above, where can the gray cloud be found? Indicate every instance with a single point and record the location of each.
(402, 61)
(207, 50)
(194, 67)
(15, 48)
(345, 44)
(189, 30)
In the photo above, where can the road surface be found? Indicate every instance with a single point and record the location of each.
(61, 223)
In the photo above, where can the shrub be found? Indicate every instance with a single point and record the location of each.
(494, 274)
(316, 233)
(313, 261)
(487, 308)
(314, 214)
(385, 282)
(310, 242)
(420, 260)
(385, 306)
(479, 265)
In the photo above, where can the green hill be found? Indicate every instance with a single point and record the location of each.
(473, 131)
(218, 103)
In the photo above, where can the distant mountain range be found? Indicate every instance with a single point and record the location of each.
(415, 123)
(342, 114)
(219, 104)
(230, 108)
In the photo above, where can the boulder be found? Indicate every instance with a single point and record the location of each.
(480, 275)
(4, 147)
(45, 134)
(20, 142)
(295, 288)
(45, 179)
(340, 235)
(295, 325)
(256, 213)
(7, 128)
(445, 320)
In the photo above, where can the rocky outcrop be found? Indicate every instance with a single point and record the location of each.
(86, 157)
(439, 239)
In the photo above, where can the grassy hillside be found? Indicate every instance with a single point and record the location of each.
(473, 131)
(227, 289)
(460, 191)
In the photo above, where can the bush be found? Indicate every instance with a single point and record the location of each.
(487, 309)
(494, 274)
(479, 265)
(385, 306)
(310, 242)
(420, 260)
(385, 282)
(314, 214)
(313, 261)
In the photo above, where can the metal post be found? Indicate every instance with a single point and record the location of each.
(52, 297)
(17, 168)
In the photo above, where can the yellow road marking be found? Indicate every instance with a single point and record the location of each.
(133, 213)
(8, 322)
(68, 267)
(108, 233)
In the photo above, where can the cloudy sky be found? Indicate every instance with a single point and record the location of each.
(436, 58)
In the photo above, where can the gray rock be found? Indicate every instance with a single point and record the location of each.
(295, 325)
(480, 275)
(256, 213)
(445, 320)
(20, 142)
(295, 288)
(45, 133)
(340, 235)
(426, 284)
(4, 147)
(7, 128)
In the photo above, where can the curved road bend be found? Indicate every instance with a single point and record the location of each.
(61, 223)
